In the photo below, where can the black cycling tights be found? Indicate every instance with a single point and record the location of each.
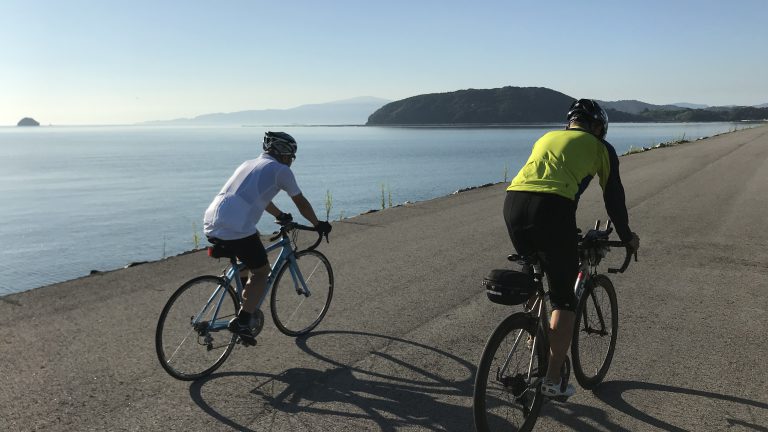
(545, 225)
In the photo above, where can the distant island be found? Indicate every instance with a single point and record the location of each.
(488, 106)
(521, 105)
(28, 121)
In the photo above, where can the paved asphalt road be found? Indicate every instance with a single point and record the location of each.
(409, 319)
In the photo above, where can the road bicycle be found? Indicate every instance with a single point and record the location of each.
(192, 339)
(507, 392)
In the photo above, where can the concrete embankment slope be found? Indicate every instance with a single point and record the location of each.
(398, 348)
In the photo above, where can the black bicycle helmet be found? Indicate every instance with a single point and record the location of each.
(588, 111)
(279, 144)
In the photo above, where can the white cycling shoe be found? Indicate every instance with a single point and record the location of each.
(554, 390)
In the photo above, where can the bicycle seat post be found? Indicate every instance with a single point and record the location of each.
(536, 268)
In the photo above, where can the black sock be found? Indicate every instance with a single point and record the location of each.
(244, 317)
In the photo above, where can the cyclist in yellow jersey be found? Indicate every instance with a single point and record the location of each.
(540, 213)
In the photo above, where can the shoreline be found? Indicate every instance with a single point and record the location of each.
(355, 125)
(673, 143)
(656, 146)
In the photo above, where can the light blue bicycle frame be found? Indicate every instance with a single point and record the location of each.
(287, 257)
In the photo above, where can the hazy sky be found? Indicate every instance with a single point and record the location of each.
(110, 62)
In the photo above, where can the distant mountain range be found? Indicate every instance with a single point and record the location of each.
(353, 111)
(515, 105)
(506, 105)
(690, 105)
(636, 107)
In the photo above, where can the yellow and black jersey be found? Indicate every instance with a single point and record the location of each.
(564, 163)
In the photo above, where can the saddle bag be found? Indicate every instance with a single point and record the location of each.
(219, 251)
(509, 287)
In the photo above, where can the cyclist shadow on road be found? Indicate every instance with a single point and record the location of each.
(389, 383)
(719, 408)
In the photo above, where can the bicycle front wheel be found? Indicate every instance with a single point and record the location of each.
(296, 310)
(506, 394)
(192, 339)
(595, 330)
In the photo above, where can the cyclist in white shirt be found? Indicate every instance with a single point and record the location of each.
(231, 218)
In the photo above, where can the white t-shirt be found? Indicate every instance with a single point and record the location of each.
(236, 210)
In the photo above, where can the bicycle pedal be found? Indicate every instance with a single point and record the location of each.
(246, 341)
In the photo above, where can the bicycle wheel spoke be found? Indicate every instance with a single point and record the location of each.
(191, 331)
(290, 318)
(178, 347)
(312, 273)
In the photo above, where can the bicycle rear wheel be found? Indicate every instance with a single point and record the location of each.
(189, 350)
(506, 398)
(294, 311)
(595, 331)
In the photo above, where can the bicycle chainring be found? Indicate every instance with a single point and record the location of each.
(257, 322)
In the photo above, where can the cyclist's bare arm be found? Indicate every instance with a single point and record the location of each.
(305, 208)
(273, 210)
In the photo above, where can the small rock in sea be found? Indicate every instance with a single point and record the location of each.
(28, 121)
(93, 272)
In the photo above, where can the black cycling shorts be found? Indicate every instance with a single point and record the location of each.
(544, 224)
(250, 250)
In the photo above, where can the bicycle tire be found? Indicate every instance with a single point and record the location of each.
(496, 399)
(293, 312)
(594, 338)
(187, 353)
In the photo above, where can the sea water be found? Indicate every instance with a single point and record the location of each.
(77, 199)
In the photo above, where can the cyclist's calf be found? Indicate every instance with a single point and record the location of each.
(254, 289)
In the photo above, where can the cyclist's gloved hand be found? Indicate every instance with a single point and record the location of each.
(284, 217)
(634, 244)
(324, 228)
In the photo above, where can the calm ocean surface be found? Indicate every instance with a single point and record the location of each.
(76, 199)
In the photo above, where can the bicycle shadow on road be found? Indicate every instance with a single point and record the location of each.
(388, 389)
(612, 393)
(577, 417)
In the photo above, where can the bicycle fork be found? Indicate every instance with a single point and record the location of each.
(299, 279)
(582, 281)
